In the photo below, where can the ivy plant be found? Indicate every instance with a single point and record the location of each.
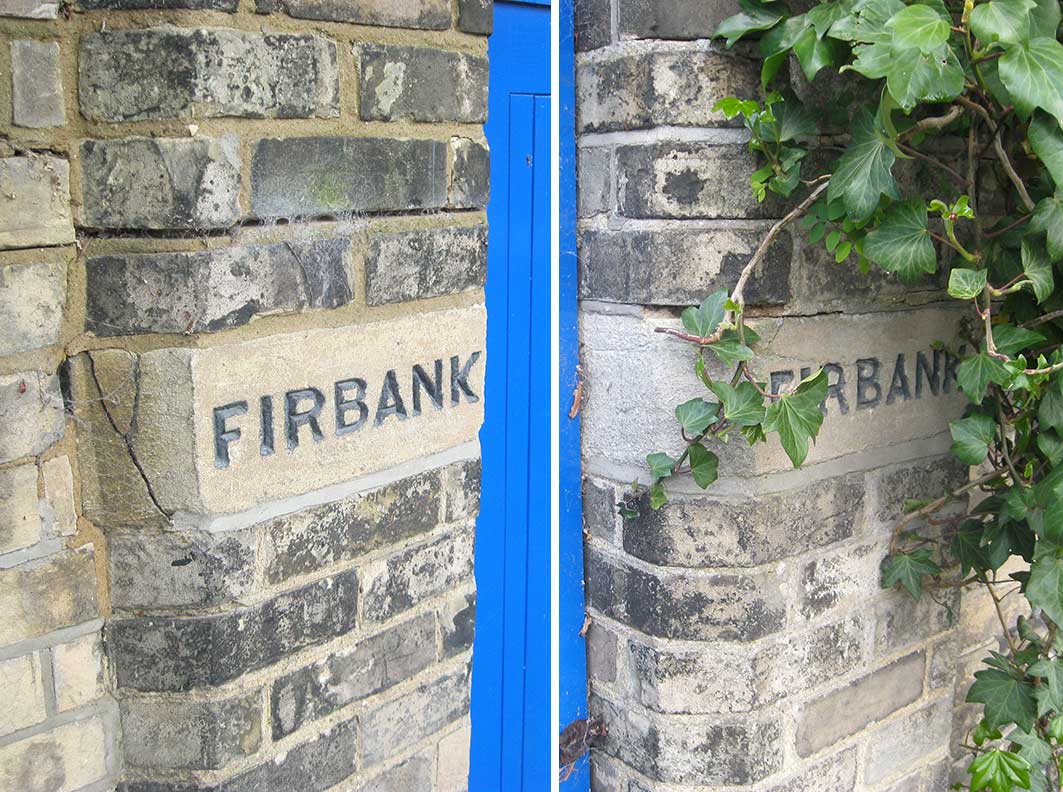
(963, 87)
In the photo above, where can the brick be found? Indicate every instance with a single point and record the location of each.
(902, 622)
(311, 767)
(20, 677)
(836, 773)
(315, 538)
(215, 289)
(594, 180)
(179, 569)
(707, 532)
(35, 202)
(900, 744)
(31, 9)
(600, 510)
(413, 265)
(671, 19)
(161, 182)
(224, 6)
(846, 578)
(470, 174)
(395, 584)
(680, 266)
(43, 596)
(662, 89)
(414, 773)
(452, 774)
(36, 87)
(682, 181)
(31, 298)
(421, 84)
(422, 14)
(929, 478)
(172, 73)
(374, 664)
(457, 624)
(292, 177)
(77, 670)
(674, 604)
(32, 409)
(401, 722)
(174, 393)
(58, 513)
(75, 753)
(463, 484)
(591, 24)
(602, 651)
(476, 16)
(830, 718)
(20, 521)
(681, 750)
(177, 654)
(196, 735)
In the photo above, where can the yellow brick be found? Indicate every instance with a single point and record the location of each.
(69, 757)
(20, 679)
(78, 671)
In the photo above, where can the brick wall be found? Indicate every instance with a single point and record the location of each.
(242, 251)
(739, 637)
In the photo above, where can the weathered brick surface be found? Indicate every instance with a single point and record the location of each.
(903, 742)
(470, 166)
(412, 265)
(591, 24)
(37, 91)
(424, 14)
(457, 624)
(671, 19)
(227, 6)
(31, 401)
(21, 678)
(31, 300)
(20, 520)
(74, 752)
(35, 202)
(421, 84)
(78, 672)
(476, 16)
(31, 9)
(40, 597)
(414, 773)
(162, 73)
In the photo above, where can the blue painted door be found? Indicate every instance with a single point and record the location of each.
(511, 656)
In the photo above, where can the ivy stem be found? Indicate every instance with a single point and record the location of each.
(934, 505)
(1016, 181)
(1000, 616)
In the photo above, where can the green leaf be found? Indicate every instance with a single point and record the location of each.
(695, 415)
(914, 77)
(971, 438)
(1045, 587)
(660, 465)
(908, 570)
(658, 497)
(731, 351)
(742, 405)
(872, 60)
(1050, 410)
(1006, 699)
(902, 243)
(1038, 269)
(1050, 444)
(754, 16)
(967, 548)
(705, 318)
(792, 121)
(796, 417)
(918, 27)
(1032, 74)
(983, 732)
(966, 284)
(826, 14)
(999, 771)
(976, 372)
(1048, 220)
(1002, 20)
(813, 52)
(731, 107)
(776, 44)
(704, 465)
(1044, 19)
(867, 22)
(1011, 339)
(863, 174)
(1052, 672)
(1046, 140)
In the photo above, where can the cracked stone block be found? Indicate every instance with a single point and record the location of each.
(161, 183)
(171, 73)
(32, 297)
(421, 84)
(31, 412)
(36, 87)
(413, 265)
(215, 289)
(421, 14)
(35, 202)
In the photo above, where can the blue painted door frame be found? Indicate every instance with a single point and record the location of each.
(511, 655)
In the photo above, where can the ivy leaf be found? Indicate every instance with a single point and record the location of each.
(1052, 672)
(796, 417)
(754, 16)
(742, 405)
(813, 52)
(976, 372)
(914, 77)
(704, 465)
(966, 284)
(1002, 20)
(967, 547)
(867, 22)
(1044, 590)
(1050, 444)
(908, 570)
(660, 465)
(731, 351)
(695, 415)
(999, 771)
(792, 121)
(1032, 74)
(1006, 699)
(705, 318)
(872, 60)
(826, 14)
(864, 173)
(1044, 19)
(776, 44)
(918, 27)
(1010, 339)
(983, 732)
(1048, 220)
(1046, 140)
(971, 438)
(1038, 268)
(658, 497)
(902, 243)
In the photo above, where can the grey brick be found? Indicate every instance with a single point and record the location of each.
(705, 532)
(31, 300)
(395, 584)
(840, 713)
(594, 179)
(591, 23)
(36, 87)
(321, 536)
(30, 9)
(160, 73)
(197, 735)
(683, 180)
(476, 16)
(291, 177)
(470, 168)
(421, 84)
(177, 654)
(599, 510)
(423, 14)
(372, 665)
(602, 653)
(457, 624)
(902, 621)
(930, 478)
(836, 773)
(226, 6)
(463, 483)
(842, 579)
(392, 726)
(662, 89)
(413, 774)
(677, 604)
(680, 266)
(35, 211)
(214, 289)
(161, 182)
(413, 265)
(32, 408)
(902, 743)
(672, 19)
(312, 767)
